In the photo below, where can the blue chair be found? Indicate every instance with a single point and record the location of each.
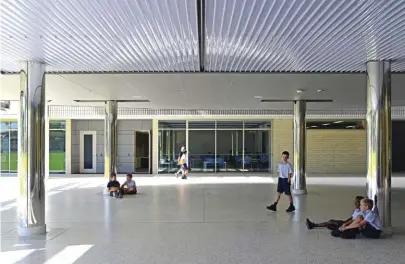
(220, 162)
(210, 162)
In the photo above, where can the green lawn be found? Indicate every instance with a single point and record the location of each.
(56, 161)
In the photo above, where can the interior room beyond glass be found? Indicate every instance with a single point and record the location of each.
(216, 146)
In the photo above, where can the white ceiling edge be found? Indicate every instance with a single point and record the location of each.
(209, 90)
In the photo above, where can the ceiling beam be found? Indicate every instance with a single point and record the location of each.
(201, 31)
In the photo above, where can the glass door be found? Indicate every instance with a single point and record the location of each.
(88, 158)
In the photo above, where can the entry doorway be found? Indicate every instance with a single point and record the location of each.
(398, 146)
(142, 152)
(88, 146)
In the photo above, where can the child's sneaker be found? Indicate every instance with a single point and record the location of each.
(272, 207)
(290, 209)
(309, 224)
(111, 194)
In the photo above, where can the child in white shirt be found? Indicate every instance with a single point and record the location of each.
(184, 166)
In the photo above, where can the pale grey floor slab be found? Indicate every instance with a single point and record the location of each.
(202, 220)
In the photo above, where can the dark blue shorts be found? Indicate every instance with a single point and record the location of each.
(184, 166)
(283, 186)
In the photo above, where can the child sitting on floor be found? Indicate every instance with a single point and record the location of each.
(368, 223)
(130, 186)
(335, 224)
(113, 185)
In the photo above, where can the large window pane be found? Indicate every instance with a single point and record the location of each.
(172, 124)
(229, 125)
(57, 124)
(13, 151)
(14, 125)
(4, 126)
(257, 150)
(57, 150)
(229, 150)
(170, 143)
(201, 152)
(200, 125)
(263, 124)
(5, 150)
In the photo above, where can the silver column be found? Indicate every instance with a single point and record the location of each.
(110, 138)
(299, 182)
(31, 143)
(379, 137)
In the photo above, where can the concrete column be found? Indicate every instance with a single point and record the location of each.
(379, 138)
(68, 146)
(31, 142)
(299, 182)
(155, 146)
(46, 143)
(110, 138)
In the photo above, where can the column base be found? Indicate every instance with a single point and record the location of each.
(299, 192)
(31, 231)
(387, 231)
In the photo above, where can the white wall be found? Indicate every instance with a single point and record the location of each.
(125, 148)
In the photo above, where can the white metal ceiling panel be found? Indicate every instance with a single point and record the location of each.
(303, 35)
(100, 35)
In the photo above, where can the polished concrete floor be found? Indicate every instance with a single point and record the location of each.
(201, 220)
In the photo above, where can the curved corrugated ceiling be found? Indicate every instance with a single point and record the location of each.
(303, 35)
(102, 35)
(240, 35)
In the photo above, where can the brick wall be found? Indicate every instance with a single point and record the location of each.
(328, 151)
(282, 139)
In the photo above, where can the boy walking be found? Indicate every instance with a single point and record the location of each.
(179, 162)
(285, 173)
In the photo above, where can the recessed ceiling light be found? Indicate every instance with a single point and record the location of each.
(300, 91)
(338, 122)
(314, 126)
(326, 124)
(320, 90)
(258, 97)
(350, 127)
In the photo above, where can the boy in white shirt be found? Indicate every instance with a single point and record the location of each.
(368, 223)
(183, 148)
(184, 166)
(285, 172)
(336, 224)
(130, 186)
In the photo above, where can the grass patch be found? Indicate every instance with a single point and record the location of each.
(9, 161)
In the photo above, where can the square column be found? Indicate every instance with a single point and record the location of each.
(31, 143)
(379, 138)
(110, 138)
(299, 180)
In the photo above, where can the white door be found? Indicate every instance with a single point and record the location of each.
(88, 158)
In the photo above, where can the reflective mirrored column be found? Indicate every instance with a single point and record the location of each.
(379, 138)
(31, 162)
(110, 138)
(299, 181)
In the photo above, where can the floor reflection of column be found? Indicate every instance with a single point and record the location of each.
(300, 203)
